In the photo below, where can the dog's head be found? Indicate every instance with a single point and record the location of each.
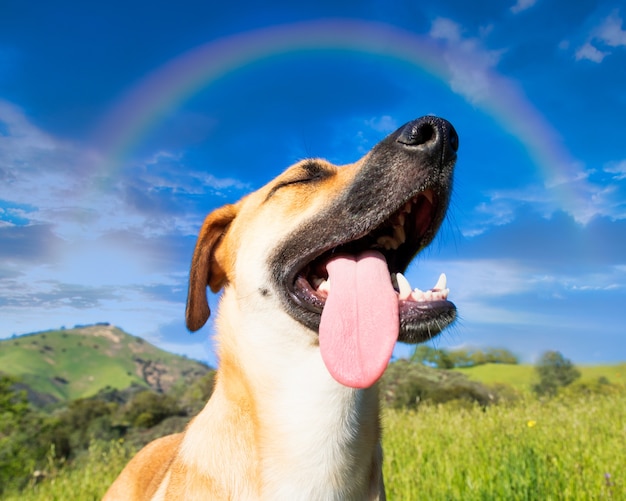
(318, 223)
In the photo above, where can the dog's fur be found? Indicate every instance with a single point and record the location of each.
(278, 426)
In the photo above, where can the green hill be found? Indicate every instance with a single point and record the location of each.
(77, 363)
(522, 376)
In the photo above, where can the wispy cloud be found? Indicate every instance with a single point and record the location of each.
(385, 124)
(151, 197)
(469, 61)
(608, 35)
(522, 5)
(610, 31)
(85, 248)
(590, 53)
(618, 169)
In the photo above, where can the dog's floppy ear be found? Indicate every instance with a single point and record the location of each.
(206, 269)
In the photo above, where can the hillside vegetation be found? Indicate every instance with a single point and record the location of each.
(77, 363)
(458, 425)
(571, 447)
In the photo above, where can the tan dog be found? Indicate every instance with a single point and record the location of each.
(306, 325)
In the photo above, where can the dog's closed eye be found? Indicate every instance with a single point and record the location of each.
(307, 172)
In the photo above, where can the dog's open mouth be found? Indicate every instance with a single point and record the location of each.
(422, 313)
(406, 227)
(358, 286)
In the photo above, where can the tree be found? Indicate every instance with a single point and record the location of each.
(16, 455)
(500, 356)
(554, 371)
(426, 355)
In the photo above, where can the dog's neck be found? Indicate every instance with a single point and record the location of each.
(313, 437)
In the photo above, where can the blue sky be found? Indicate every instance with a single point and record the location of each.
(123, 123)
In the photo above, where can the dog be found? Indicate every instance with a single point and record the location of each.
(313, 302)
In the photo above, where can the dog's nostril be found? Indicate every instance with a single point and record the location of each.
(430, 134)
(417, 133)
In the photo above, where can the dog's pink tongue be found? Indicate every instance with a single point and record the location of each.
(360, 322)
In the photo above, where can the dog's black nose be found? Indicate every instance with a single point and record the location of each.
(430, 134)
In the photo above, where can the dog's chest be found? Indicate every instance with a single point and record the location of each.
(320, 439)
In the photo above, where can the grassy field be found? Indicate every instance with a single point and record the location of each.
(558, 450)
(522, 376)
(569, 448)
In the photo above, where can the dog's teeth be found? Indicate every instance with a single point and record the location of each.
(404, 286)
(408, 207)
(441, 283)
(417, 295)
(401, 218)
(428, 195)
(324, 286)
(383, 241)
(388, 242)
(399, 234)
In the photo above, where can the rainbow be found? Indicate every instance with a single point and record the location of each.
(169, 86)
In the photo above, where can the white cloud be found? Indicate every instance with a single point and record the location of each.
(446, 29)
(82, 245)
(522, 5)
(469, 63)
(610, 31)
(64, 185)
(608, 34)
(385, 124)
(618, 169)
(471, 68)
(590, 53)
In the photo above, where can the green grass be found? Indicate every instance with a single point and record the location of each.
(561, 449)
(523, 376)
(86, 480)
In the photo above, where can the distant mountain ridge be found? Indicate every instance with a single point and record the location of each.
(66, 364)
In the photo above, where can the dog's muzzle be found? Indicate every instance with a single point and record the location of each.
(391, 210)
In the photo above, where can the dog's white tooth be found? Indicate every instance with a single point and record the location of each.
(401, 218)
(428, 195)
(441, 283)
(417, 295)
(404, 286)
(324, 286)
(408, 207)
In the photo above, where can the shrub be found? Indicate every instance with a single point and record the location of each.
(555, 371)
(147, 409)
(406, 385)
